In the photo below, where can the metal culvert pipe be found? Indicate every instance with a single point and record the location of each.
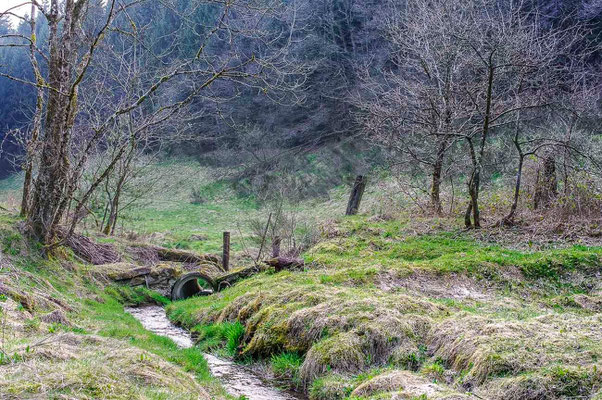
(192, 284)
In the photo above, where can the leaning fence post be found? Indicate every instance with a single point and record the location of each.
(276, 247)
(355, 197)
(226, 252)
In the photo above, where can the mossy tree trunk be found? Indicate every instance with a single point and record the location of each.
(52, 187)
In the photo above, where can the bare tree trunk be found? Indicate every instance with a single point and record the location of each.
(32, 145)
(546, 188)
(509, 219)
(276, 246)
(467, 214)
(475, 181)
(471, 183)
(436, 184)
(109, 228)
(474, 198)
(355, 198)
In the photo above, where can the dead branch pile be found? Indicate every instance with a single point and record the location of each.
(146, 255)
(92, 252)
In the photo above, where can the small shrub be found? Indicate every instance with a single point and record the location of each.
(196, 196)
(412, 360)
(434, 370)
(12, 243)
(32, 325)
(206, 193)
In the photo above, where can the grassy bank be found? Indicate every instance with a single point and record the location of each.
(382, 308)
(65, 335)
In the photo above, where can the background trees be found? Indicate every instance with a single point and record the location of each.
(475, 73)
(233, 46)
(446, 91)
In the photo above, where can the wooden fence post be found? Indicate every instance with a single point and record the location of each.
(276, 247)
(226, 252)
(265, 233)
(356, 195)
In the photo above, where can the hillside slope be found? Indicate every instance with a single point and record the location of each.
(63, 334)
(385, 311)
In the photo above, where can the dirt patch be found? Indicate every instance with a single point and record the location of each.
(451, 285)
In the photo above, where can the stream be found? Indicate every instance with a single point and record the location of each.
(237, 379)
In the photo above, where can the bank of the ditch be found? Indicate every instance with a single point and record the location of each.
(381, 312)
(238, 380)
(65, 335)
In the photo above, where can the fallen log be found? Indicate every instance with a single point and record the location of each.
(159, 277)
(227, 280)
(26, 301)
(279, 263)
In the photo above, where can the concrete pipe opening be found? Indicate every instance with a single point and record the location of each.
(192, 284)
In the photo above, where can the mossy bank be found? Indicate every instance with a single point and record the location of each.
(382, 311)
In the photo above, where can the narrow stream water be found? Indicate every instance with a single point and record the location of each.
(238, 380)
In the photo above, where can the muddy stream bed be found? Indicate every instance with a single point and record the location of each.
(238, 380)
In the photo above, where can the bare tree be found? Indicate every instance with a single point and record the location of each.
(75, 36)
(465, 71)
(416, 109)
(516, 66)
